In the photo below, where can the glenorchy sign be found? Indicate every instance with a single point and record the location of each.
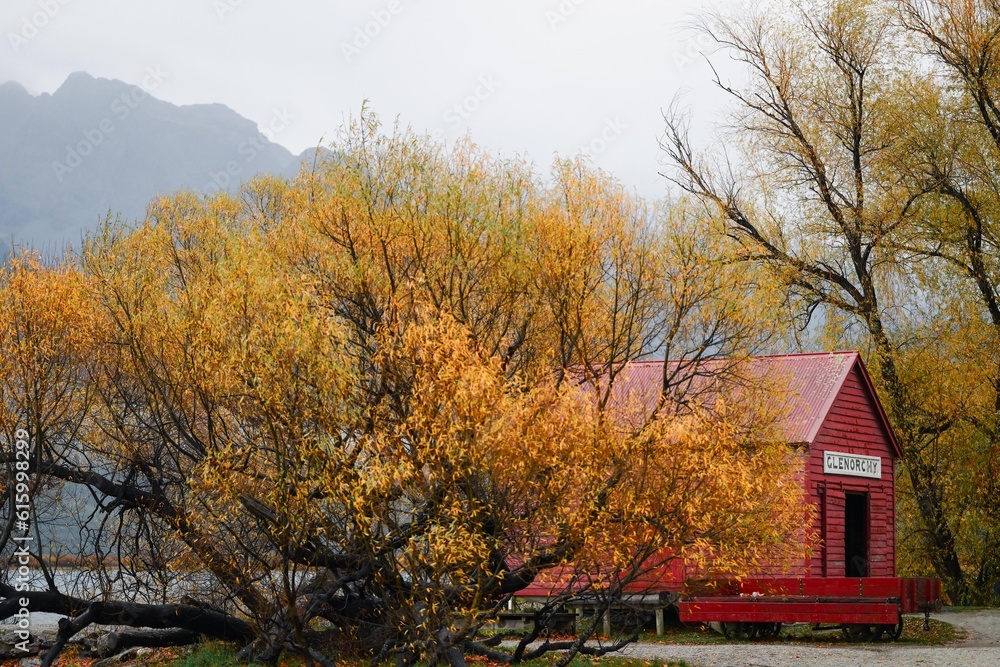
(855, 465)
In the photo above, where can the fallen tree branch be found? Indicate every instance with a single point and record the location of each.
(113, 643)
(83, 613)
(483, 649)
(67, 628)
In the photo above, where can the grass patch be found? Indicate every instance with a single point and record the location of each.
(213, 654)
(913, 634)
(684, 634)
(941, 632)
(209, 654)
(605, 661)
(219, 654)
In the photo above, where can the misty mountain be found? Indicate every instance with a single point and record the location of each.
(100, 146)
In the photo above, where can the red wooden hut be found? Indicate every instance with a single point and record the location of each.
(832, 417)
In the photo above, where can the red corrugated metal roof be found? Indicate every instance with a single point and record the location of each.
(812, 382)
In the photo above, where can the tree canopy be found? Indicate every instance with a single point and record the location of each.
(863, 180)
(380, 397)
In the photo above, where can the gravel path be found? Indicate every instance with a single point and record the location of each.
(980, 649)
(983, 626)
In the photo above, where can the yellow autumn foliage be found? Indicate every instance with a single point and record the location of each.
(382, 392)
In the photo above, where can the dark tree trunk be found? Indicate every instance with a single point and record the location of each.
(941, 547)
(114, 643)
(930, 503)
(83, 613)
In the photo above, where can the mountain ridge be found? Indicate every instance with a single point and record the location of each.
(97, 146)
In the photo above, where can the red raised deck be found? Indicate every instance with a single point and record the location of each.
(863, 604)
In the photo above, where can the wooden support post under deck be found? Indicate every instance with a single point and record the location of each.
(607, 622)
(659, 622)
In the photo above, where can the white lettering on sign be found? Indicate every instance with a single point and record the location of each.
(839, 463)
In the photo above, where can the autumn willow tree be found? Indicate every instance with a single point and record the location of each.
(864, 180)
(380, 396)
(955, 147)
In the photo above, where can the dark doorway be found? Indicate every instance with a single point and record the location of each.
(856, 534)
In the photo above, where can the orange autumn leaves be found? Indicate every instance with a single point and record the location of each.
(373, 371)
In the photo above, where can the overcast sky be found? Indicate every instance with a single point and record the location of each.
(533, 77)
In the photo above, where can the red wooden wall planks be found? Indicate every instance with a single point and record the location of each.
(855, 426)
